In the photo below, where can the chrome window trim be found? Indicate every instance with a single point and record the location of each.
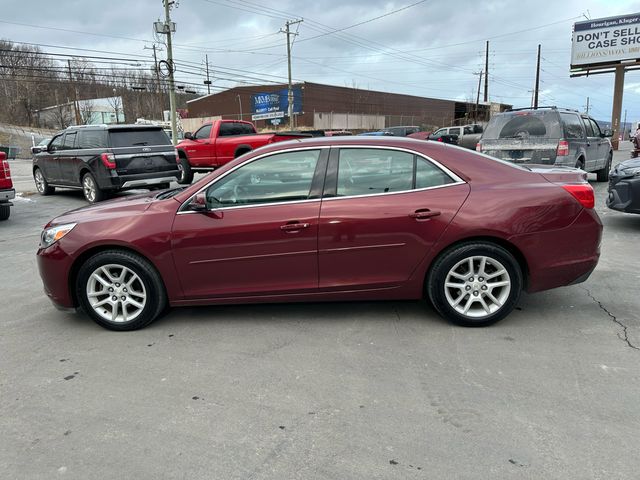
(456, 179)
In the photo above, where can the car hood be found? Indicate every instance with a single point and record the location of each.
(119, 208)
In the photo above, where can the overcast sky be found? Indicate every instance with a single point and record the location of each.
(432, 49)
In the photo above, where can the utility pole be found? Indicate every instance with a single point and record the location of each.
(587, 105)
(240, 103)
(75, 95)
(486, 73)
(172, 86)
(537, 87)
(158, 84)
(290, 91)
(624, 124)
(208, 81)
(478, 95)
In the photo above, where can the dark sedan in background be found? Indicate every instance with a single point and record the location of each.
(624, 187)
(351, 218)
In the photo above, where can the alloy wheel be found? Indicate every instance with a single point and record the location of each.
(116, 293)
(89, 188)
(477, 286)
(39, 179)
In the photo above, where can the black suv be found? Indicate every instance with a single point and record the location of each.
(100, 159)
(549, 135)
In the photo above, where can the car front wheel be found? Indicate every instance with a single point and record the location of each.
(120, 290)
(603, 174)
(475, 284)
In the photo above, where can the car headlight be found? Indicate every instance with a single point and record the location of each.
(631, 171)
(51, 235)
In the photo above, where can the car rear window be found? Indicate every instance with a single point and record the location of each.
(92, 139)
(538, 124)
(138, 137)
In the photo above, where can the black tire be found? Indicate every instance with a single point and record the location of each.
(90, 189)
(186, 174)
(602, 175)
(160, 186)
(41, 183)
(156, 298)
(580, 163)
(496, 255)
(5, 211)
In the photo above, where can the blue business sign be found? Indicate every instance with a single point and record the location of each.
(276, 102)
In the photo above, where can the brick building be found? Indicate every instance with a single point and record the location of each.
(330, 107)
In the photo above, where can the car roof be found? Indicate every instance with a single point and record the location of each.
(126, 126)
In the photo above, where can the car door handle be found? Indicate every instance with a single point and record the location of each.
(292, 227)
(424, 214)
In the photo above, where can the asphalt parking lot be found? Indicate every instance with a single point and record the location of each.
(320, 391)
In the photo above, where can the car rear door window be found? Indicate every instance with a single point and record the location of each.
(428, 175)
(282, 177)
(228, 128)
(70, 141)
(589, 127)
(573, 126)
(454, 131)
(596, 128)
(364, 171)
(245, 129)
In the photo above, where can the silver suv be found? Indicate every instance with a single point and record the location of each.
(549, 135)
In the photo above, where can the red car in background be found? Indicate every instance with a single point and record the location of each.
(357, 218)
(7, 192)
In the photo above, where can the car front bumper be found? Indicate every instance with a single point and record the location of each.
(624, 193)
(54, 265)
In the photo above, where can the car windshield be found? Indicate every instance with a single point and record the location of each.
(138, 137)
(523, 125)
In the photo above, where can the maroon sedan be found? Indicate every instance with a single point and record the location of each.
(358, 218)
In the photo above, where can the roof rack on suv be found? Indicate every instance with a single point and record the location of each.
(71, 127)
(552, 107)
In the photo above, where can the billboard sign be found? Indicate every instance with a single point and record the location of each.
(606, 41)
(267, 116)
(265, 103)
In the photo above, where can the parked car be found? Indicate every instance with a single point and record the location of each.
(7, 193)
(101, 159)
(330, 219)
(624, 187)
(467, 136)
(442, 136)
(217, 143)
(379, 133)
(550, 135)
(402, 131)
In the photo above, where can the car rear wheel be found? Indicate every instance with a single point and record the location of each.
(186, 175)
(120, 290)
(5, 211)
(41, 183)
(475, 284)
(603, 174)
(92, 193)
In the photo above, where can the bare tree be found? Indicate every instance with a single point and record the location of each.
(115, 102)
(62, 116)
(87, 109)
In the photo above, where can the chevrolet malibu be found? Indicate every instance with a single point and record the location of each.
(328, 219)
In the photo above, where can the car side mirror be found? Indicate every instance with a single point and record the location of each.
(199, 203)
(3, 156)
(36, 149)
(607, 133)
(51, 149)
(188, 135)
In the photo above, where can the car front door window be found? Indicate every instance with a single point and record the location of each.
(283, 177)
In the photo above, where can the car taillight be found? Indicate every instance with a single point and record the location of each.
(583, 193)
(7, 170)
(478, 147)
(563, 148)
(108, 160)
(177, 156)
(440, 139)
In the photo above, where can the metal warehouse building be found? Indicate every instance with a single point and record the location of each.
(318, 106)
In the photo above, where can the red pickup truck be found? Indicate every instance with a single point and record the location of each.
(6, 187)
(218, 142)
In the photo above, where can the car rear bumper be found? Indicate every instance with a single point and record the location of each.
(624, 194)
(140, 180)
(562, 257)
(6, 195)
